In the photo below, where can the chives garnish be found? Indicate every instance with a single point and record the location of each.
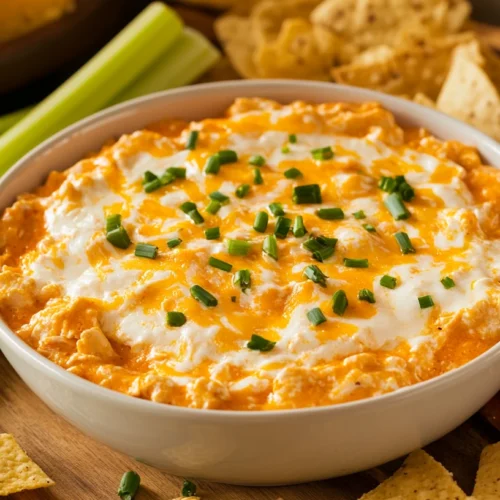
(129, 485)
(195, 216)
(404, 243)
(153, 185)
(192, 139)
(201, 295)
(310, 193)
(220, 264)
(188, 206)
(243, 190)
(213, 207)
(188, 489)
(167, 178)
(146, 250)
(323, 253)
(242, 279)
(257, 160)
(425, 302)
(276, 209)
(270, 246)
(113, 222)
(118, 238)
(258, 343)
(292, 138)
(340, 302)
(327, 242)
(177, 172)
(387, 184)
(359, 214)
(395, 205)
(325, 153)
(282, 227)
(388, 281)
(238, 247)
(366, 295)
(212, 233)
(299, 229)
(257, 176)
(227, 156)
(397, 184)
(315, 274)
(175, 318)
(316, 316)
(217, 196)
(321, 247)
(174, 242)
(370, 228)
(285, 150)
(213, 165)
(330, 213)
(148, 177)
(233, 298)
(293, 173)
(358, 263)
(261, 221)
(448, 282)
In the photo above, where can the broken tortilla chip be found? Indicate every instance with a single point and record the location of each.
(17, 471)
(488, 475)
(420, 477)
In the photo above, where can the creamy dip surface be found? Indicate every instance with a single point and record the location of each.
(341, 257)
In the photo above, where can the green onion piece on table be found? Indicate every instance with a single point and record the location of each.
(175, 318)
(129, 485)
(201, 295)
(258, 343)
(188, 489)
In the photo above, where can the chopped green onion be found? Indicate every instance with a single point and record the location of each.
(292, 138)
(316, 316)
(213, 165)
(148, 177)
(388, 281)
(146, 250)
(175, 318)
(310, 193)
(370, 228)
(261, 221)
(366, 295)
(243, 190)
(325, 153)
(340, 302)
(153, 185)
(270, 246)
(312, 244)
(285, 150)
(174, 242)
(299, 229)
(327, 242)
(213, 207)
(238, 247)
(257, 160)
(322, 254)
(242, 279)
(192, 139)
(359, 214)
(448, 282)
(358, 263)
(282, 227)
(276, 209)
(129, 485)
(167, 178)
(113, 222)
(188, 206)
(177, 172)
(330, 213)
(233, 298)
(227, 156)
(315, 274)
(293, 173)
(395, 205)
(258, 343)
(404, 243)
(201, 295)
(397, 184)
(221, 198)
(195, 216)
(257, 176)
(387, 184)
(188, 489)
(212, 233)
(118, 238)
(425, 302)
(220, 264)
(321, 247)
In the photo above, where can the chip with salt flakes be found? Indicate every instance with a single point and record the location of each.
(488, 475)
(419, 478)
(17, 471)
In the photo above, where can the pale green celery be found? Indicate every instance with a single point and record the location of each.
(8, 121)
(94, 85)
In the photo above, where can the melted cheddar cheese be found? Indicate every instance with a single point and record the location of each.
(100, 311)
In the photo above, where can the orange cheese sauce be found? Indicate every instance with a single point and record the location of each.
(101, 311)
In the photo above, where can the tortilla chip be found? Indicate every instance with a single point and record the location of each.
(17, 471)
(488, 475)
(420, 477)
(380, 54)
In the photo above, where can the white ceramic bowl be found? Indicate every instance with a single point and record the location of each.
(252, 448)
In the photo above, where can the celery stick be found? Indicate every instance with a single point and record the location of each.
(96, 83)
(184, 62)
(8, 121)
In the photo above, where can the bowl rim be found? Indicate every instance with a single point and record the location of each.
(150, 407)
